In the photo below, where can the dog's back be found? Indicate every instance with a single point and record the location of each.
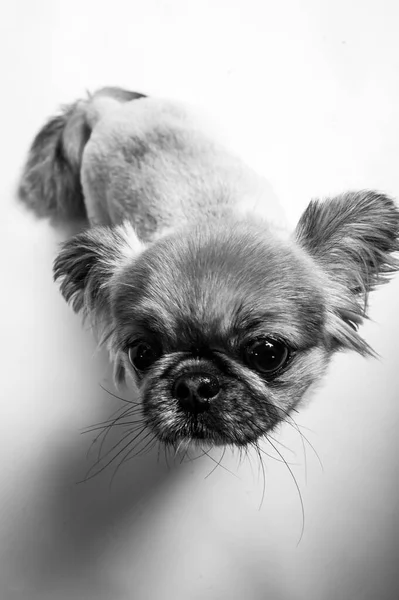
(121, 155)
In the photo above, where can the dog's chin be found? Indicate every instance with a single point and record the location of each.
(196, 433)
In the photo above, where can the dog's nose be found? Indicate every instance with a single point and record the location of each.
(195, 390)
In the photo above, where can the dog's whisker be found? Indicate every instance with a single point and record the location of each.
(280, 443)
(186, 450)
(298, 491)
(305, 457)
(104, 434)
(159, 452)
(133, 425)
(104, 429)
(198, 456)
(262, 466)
(251, 460)
(90, 475)
(185, 454)
(275, 457)
(128, 456)
(178, 448)
(105, 426)
(218, 464)
(118, 397)
(115, 423)
(109, 420)
(147, 448)
(303, 436)
(166, 452)
(133, 429)
(112, 449)
(257, 447)
(125, 414)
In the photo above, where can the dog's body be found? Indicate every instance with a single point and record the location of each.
(151, 162)
(147, 160)
(219, 317)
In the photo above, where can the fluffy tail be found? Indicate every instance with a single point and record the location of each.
(50, 183)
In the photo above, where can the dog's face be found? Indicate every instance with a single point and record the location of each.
(222, 328)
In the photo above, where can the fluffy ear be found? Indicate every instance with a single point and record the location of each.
(87, 263)
(50, 182)
(353, 237)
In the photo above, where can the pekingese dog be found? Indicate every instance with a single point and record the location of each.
(219, 318)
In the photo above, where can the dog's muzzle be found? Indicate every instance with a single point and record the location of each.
(195, 391)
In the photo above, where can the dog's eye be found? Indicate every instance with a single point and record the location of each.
(266, 355)
(143, 355)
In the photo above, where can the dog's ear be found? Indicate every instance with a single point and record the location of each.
(353, 238)
(50, 183)
(87, 264)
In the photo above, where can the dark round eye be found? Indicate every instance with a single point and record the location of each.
(143, 355)
(266, 355)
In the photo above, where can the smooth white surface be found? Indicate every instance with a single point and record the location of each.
(308, 93)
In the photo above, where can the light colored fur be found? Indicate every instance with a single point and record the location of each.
(151, 162)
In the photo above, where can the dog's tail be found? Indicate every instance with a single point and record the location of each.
(50, 183)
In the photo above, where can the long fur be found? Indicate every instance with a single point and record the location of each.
(87, 263)
(354, 237)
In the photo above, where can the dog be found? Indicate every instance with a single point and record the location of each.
(218, 317)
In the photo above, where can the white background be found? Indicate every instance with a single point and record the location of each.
(307, 92)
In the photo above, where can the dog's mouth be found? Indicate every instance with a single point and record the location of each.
(195, 400)
(195, 430)
(216, 426)
(172, 423)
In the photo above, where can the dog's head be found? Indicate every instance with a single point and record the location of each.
(223, 327)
